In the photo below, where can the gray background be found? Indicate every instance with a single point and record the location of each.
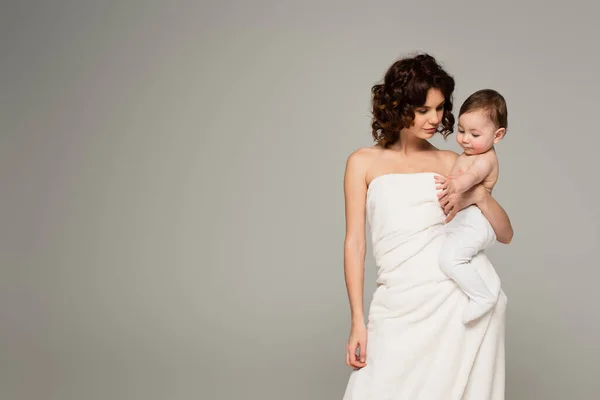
(172, 214)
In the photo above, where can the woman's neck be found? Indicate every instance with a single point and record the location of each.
(407, 145)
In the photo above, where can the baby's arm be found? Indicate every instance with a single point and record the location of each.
(476, 173)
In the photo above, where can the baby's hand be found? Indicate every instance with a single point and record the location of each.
(445, 184)
(446, 198)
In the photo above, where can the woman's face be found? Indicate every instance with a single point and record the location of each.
(428, 116)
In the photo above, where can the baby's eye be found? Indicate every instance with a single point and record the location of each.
(459, 131)
(476, 135)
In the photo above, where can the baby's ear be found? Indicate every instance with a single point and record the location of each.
(499, 134)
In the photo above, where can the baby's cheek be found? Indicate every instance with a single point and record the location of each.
(478, 147)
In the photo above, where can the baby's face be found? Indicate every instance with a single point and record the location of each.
(476, 132)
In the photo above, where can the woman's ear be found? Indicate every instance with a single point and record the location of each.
(499, 134)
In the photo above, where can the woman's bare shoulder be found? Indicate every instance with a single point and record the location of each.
(448, 157)
(364, 156)
(444, 159)
(359, 162)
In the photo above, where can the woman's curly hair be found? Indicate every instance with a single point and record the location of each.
(405, 88)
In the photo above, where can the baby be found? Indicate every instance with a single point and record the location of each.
(482, 123)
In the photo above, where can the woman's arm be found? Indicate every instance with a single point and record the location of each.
(478, 195)
(491, 209)
(355, 191)
(495, 214)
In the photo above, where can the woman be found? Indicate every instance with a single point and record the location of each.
(415, 345)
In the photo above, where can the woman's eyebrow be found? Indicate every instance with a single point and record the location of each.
(439, 105)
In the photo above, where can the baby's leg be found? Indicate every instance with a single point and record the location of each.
(466, 235)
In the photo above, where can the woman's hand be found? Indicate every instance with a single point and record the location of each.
(478, 195)
(357, 344)
(452, 202)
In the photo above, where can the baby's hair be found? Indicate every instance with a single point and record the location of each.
(490, 101)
